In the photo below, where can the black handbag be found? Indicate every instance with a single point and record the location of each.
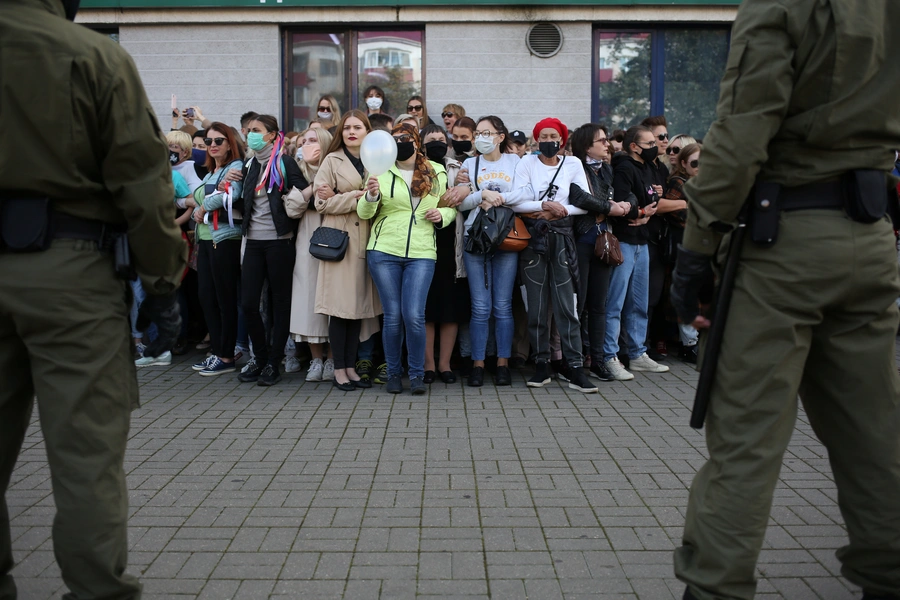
(328, 243)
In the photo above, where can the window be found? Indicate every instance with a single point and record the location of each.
(674, 72)
(344, 63)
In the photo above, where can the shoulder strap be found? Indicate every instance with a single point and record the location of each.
(550, 185)
(474, 177)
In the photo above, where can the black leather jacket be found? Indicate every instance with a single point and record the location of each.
(600, 181)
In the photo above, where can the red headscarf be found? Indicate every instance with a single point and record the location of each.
(551, 123)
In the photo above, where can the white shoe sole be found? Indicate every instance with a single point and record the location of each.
(538, 384)
(591, 390)
(153, 364)
(658, 369)
(214, 373)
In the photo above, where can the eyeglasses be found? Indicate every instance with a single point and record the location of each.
(486, 134)
(602, 141)
(447, 115)
(412, 108)
(662, 136)
(324, 109)
(216, 141)
(652, 144)
(403, 138)
(673, 150)
(694, 164)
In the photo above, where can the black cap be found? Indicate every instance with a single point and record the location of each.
(518, 136)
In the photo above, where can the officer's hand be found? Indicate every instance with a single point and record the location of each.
(691, 270)
(163, 311)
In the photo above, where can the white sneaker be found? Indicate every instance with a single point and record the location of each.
(328, 370)
(315, 370)
(291, 364)
(645, 363)
(618, 370)
(163, 360)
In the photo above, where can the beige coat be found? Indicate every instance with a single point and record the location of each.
(345, 289)
(306, 324)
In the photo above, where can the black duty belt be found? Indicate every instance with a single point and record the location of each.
(819, 195)
(69, 227)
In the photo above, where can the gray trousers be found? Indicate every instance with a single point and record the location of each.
(548, 284)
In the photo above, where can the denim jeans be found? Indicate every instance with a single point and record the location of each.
(403, 285)
(139, 296)
(495, 299)
(627, 301)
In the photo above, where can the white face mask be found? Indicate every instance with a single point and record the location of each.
(485, 145)
(324, 115)
(374, 103)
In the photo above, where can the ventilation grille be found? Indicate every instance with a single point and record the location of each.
(544, 39)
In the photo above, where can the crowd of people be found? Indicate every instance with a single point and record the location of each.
(406, 294)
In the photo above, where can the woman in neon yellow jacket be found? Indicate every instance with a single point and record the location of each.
(403, 206)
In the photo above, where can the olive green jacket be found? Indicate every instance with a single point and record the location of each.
(811, 90)
(78, 128)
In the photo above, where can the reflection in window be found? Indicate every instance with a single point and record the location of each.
(392, 60)
(694, 64)
(623, 77)
(317, 69)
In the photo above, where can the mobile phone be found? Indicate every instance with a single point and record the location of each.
(189, 113)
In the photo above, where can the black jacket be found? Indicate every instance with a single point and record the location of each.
(632, 177)
(598, 180)
(293, 179)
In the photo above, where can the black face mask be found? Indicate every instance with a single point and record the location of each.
(405, 150)
(436, 151)
(649, 154)
(462, 146)
(549, 149)
(174, 157)
(71, 7)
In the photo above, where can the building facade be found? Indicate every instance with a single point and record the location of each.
(606, 61)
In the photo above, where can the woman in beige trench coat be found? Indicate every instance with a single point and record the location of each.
(344, 289)
(307, 325)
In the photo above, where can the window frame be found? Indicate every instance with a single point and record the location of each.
(354, 64)
(657, 57)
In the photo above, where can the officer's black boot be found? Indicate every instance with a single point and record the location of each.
(872, 596)
(688, 595)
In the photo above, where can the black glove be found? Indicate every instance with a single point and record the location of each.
(163, 311)
(692, 269)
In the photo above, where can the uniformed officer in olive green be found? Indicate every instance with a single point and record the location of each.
(809, 95)
(77, 129)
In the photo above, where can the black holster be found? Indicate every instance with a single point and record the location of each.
(25, 224)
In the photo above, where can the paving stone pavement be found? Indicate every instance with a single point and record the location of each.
(303, 491)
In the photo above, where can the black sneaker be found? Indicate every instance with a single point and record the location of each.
(364, 369)
(688, 354)
(180, 348)
(503, 376)
(476, 377)
(579, 381)
(541, 375)
(517, 362)
(417, 386)
(599, 371)
(381, 377)
(269, 375)
(394, 384)
(250, 372)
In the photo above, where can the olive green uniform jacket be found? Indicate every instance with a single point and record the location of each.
(805, 97)
(89, 141)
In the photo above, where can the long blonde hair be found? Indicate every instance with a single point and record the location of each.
(309, 171)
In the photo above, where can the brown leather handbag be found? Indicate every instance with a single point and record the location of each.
(517, 238)
(606, 248)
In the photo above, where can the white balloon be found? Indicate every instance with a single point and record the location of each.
(378, 152)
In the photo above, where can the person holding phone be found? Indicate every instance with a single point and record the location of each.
(629, 285)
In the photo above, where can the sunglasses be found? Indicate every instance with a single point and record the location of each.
(324, 109)
(403, 138)
(414, 108)
(216, 141)
(694, 164)
(662, 136)
(447, 115)
(673, 150)
(602, 141)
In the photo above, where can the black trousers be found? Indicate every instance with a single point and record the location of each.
(271, 260)
(343, 335)
(219, 274)
(593, 288)
(656, 318)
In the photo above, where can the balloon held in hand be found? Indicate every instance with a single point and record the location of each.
(378, 152)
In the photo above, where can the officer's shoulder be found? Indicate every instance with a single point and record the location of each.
(88, 46)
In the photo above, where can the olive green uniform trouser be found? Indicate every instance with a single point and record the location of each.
(65, 339)
(814, 315)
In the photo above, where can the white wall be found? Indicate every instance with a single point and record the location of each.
(487, 68)
(226, 70)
